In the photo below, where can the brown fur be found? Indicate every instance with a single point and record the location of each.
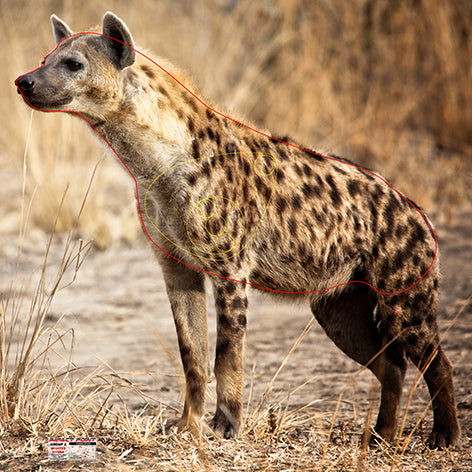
(253, 210)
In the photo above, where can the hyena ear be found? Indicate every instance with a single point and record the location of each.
(121, 50)
(60, 29)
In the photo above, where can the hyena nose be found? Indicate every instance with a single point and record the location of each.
(25, 84)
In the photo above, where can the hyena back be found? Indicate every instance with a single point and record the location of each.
(221, 199)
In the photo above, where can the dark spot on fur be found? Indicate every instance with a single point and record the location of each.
(230, 287)
(229, 174)
(298, 169)
(191, 125)
(206, 167)
(282, 154)
(296, 203)
(247, 168)
(420, 302)
(332, 258)
(418, 233)
(190, 100)
(201, 135)
(307, 190)
(220, 303)
(314, 155)
(279, 140)
(410, 246)
(317, 190)
(307, 170)
(378, 193)
(319, 216)
(242, 320)
(224, 321)
(231, 148)
(354, 188)
(391, 210)
(195, 149)
(261, 187)
(292, 226)
(184, 352)
(375, 252)
(264, 145)
(150, 73)
(334, 192)
(357, 224)
(381, 285)
(223, 346)
(239, 303)
(301, 250)
(192, 179)
(358, 242)
(374, 216)
(410, 280)
(217, 139)
(281, 204)
(279, 175)
(398, 261)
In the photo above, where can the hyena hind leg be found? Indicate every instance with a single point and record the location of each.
(348, 319)
(424, 349)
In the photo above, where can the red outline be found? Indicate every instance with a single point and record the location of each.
(259, 132)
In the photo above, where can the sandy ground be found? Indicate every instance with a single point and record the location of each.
(119, 313)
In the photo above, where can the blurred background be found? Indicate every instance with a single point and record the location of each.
(386, 83)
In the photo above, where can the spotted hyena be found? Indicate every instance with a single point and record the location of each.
(220, 199)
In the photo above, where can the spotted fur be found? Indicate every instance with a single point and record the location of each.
(253, 210)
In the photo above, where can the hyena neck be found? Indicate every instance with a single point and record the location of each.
(146, 132)
(160, 124)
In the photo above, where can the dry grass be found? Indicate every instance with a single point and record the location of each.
(386, 84)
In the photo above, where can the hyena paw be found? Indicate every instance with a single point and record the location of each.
(382, 435)
(440, 439)
(190, 423)
(225, 424)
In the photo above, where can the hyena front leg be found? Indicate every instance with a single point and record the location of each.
(231, 308)
(185, 289)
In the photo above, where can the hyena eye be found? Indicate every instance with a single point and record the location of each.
(73, 65)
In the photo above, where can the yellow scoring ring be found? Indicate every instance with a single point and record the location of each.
(222, 237)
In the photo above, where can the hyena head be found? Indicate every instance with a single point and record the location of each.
(82, 73)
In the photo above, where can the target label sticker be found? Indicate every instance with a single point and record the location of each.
(72, 449)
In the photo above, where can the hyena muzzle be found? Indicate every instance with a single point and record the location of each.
(219, 198)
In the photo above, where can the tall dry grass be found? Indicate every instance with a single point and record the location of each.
(384, 83)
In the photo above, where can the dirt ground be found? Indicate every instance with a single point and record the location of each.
(120, 316)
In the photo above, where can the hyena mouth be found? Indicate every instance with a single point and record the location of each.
(42, 105)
